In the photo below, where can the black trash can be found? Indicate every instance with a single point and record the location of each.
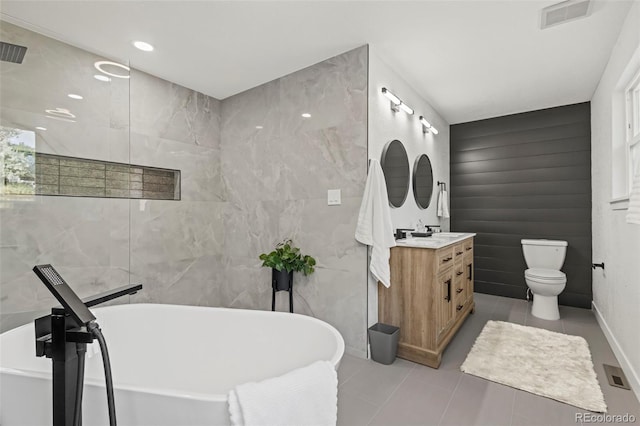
(383, 339)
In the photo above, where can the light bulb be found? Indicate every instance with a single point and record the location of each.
(393, 98)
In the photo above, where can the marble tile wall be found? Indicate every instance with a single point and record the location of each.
(277, 167)
(176, 247)
(86, 239)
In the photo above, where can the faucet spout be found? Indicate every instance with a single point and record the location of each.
(112, 294)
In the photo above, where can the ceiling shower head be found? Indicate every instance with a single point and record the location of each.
(12, 52)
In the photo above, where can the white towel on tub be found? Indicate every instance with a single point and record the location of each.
(307, 396)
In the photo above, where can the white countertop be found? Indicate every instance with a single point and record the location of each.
(436, 241)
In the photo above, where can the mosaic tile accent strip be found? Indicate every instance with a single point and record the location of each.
(77, 177)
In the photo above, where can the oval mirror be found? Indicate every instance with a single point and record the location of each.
(422, 181)
(395, 165)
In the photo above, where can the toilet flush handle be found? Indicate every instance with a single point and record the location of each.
(597, 265)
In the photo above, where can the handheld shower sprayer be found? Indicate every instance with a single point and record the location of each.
(67, 297)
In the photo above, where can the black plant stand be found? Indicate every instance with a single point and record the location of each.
(281, 281)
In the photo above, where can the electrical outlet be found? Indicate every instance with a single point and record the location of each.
(334, 197)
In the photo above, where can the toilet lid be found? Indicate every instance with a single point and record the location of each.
(547, 274)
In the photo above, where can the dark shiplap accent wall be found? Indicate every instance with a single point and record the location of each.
(525, 176)
(78, 177)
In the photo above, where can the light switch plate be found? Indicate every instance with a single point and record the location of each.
(334, 197)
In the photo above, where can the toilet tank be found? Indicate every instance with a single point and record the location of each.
(544, 254)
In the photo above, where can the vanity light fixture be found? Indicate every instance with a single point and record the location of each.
(259, 127)
(306, 115)
(74, 96)
(100, 64)
(393, 98)
(395, 101)
(426, 126)
(406, 108)
(101, 77)
(143, 45)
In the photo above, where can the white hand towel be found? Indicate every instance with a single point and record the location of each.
(374, 223)
(307, 396)
(443, 203)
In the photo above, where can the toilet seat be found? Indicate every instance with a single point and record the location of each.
(545, 276)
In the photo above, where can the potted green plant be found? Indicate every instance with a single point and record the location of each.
(284, 261)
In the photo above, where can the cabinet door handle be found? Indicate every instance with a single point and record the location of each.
(459, 307)
(459, 290)
(448, 296)
(459, 273)
(447, 259)
(458, 253)
(468, 248)
(470, 266)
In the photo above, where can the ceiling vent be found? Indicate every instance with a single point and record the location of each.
(566, 11)
(12, 52)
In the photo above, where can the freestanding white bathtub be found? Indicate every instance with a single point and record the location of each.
(172, 365)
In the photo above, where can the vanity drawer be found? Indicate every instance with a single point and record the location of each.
(467, 246)
(459, 284)
(458, 250)
(458, 270)
(444, 258)
(460, 304)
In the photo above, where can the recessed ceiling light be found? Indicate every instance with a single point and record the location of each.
(100, 65)
(41, 128)
(74, 96)
(144, 46)
(101, 77)
(306, 115)
(259, 127)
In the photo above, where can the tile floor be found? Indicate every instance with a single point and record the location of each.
(406, 393)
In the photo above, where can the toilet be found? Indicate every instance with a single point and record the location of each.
(545, 280)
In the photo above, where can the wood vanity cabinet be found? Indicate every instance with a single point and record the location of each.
(430, 296)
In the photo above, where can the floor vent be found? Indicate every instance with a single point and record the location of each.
(616, 376)
(564, 12)
(12, 52)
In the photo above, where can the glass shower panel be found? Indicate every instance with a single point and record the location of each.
(59, 107)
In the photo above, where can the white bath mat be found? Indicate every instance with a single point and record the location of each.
(553, 365)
